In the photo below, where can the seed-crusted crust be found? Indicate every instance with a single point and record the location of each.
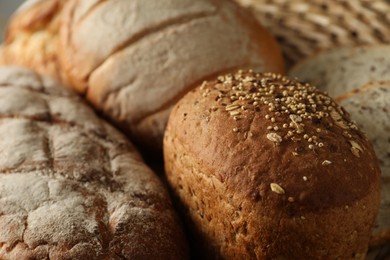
(107, 49)
(276, 179)
(72, 187)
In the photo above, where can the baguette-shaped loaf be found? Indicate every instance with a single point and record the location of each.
(134, 59)
(344, 69)
(369, 106)
(71, 186)
(268, 168)
(304, 27)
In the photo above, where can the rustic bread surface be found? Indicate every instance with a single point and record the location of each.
(134, 59)
(72, 187)
(267, 168)
(344, 69)
(369, 106)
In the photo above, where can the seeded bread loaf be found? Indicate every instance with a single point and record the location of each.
(134, 59)
(268, 168)
(344, 69)
(72, 187)
(304, 27)
(369, 106)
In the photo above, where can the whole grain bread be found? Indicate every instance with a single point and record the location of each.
(71, 186)
(268, 168)
(304, 27)
(134, 59)
(344, 69)
(369, 106)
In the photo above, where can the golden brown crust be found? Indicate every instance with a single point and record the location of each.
(32, 37)
(72, 187)
(239, 168)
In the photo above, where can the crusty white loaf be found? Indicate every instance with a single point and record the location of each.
(304, 27)
(369, 106)
(72, 187)
(134, 59)
(268, 168)
(344, 69)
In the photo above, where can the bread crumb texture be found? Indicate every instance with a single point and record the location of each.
(71, 186)
(271, 168)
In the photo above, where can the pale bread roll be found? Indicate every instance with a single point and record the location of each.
(369, 106)
(134, 59)
(304, 27)
(340, 70)
(71, 186)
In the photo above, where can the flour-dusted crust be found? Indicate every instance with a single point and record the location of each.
(134, 59)
(268, 168)
(304, 27)
(369, 106)
(72, 187)
(341, 70)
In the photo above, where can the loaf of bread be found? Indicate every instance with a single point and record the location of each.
(32, 36)
(369, 106)
(72, 187)
(1, 56)
(341, 70)
(134, 59)
(268, 168)
(304, 27)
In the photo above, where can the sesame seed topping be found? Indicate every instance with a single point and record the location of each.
(274, 137)
(231, 107)
(356, 149)
(290, 199)
(304, 178)
(298, 112)
(277, 189)
(326, 162)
